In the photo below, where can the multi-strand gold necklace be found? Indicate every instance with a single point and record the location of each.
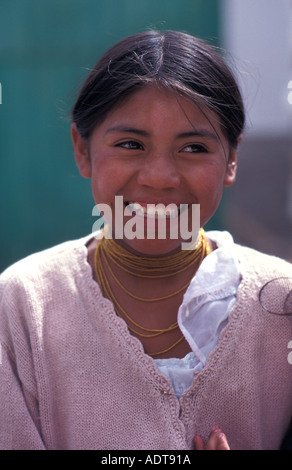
(108, 251)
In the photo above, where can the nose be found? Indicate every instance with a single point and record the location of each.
(159, 172)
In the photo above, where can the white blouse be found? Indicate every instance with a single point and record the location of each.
(204, 311)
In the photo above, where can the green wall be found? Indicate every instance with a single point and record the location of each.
(46, 48)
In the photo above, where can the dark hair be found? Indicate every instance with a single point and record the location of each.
(175, 60)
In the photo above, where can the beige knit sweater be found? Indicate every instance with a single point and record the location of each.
(72, 376)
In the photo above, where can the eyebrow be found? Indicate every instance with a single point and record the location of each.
(199, 133)
(194, 133)
(129, 130)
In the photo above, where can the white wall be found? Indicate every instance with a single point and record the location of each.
(258, 34)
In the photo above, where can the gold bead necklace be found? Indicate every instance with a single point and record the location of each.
(145, 267)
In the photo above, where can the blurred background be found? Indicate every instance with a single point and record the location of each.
(46, 50)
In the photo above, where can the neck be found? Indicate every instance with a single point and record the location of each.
(139, 264)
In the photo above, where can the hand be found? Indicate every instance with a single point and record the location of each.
(216, 441)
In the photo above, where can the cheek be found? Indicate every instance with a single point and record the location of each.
(208, 188)
(210, 198)
(108, 180)
(211, 187)
(208, 180)
(101, 180)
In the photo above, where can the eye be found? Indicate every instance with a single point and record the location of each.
(195, 148)
(130, 145)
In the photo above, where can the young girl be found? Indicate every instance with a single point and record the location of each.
(137, 336)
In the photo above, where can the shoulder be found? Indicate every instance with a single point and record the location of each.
(251, 263)
(267, 280)
(259, 263)
(45, 268)
(45, 286)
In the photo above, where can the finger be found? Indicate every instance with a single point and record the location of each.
(213, 439)
(222, 442)
(217, 440)
(199, 443)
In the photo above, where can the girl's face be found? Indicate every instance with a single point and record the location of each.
(157, 148)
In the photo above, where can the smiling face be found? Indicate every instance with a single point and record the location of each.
(155, 148)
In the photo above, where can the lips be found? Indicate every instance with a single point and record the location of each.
(155, 211)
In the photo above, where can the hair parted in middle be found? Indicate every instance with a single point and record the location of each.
(174, 60)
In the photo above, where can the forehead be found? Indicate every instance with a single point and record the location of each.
(157, 106)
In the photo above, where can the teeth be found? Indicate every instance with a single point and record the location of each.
(183, 207)
(135, 207)
(156, 210)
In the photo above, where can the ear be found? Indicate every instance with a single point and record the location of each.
(231, 169)
(81, 153)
